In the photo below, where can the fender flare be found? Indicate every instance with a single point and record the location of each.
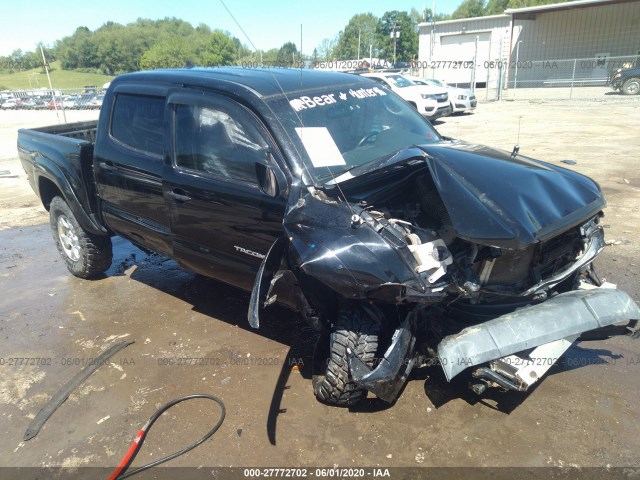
(52, 172)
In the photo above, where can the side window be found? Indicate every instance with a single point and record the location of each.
(212, 141)
(137, 122)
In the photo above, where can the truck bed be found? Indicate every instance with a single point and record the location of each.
(66, 152)
(79, 130)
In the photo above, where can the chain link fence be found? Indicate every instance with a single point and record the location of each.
(504, 79)
(564, 78)
(81, 98)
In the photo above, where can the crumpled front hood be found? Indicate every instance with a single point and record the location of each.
(496, 199)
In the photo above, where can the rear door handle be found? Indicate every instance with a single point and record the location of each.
(179, 195)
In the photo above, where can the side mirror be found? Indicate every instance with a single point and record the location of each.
(271, 179)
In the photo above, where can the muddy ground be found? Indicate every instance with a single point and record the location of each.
(585, 413)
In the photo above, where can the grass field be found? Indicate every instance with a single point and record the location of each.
(60, 79)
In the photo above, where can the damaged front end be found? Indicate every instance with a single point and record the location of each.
(450, 268)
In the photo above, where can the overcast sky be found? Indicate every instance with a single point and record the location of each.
(268, 24)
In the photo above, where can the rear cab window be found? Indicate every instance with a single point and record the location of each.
(137, 122)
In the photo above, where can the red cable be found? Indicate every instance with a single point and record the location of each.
(120, 471)
(135, 445)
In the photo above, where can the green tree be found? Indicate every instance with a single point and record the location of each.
(407, 41)
(217, 49)
(78, 50)
(361, 32)
(496, 7)
(469, 9)
(270, 56)
(288, 54)
(531, 3)
(172, 52)
(326, 49)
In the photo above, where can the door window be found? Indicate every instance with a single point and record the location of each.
(213, 141)
(137, 122)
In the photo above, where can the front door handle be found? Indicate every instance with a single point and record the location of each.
(179, 195)
(108, 166)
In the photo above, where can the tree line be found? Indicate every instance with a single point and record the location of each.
(170, 42)
(482, 8)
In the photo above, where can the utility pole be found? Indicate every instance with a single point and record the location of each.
(394, 35)
(53, 94)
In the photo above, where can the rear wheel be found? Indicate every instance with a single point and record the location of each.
(353, 330)
(84, 254)
(631, 86)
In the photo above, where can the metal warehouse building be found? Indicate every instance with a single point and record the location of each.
(575, 43)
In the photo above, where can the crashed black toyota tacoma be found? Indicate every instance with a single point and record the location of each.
(328, 193)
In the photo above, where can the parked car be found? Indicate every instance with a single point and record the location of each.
(10, 104)
(331, 195)
(32, 103)
(70, 101)
(627, 81)
(85, 101)
(461, 99)
(54, 103)
(431, 102)
(96, 102)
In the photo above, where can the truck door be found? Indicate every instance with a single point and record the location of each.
(223, 220)
(128, 168)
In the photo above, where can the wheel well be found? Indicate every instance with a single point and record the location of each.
(413, 104)
(48, 190)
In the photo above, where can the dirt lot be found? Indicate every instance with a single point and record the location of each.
(584, 414)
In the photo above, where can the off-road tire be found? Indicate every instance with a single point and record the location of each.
(631, 86)
(332, 383)
(85, 255)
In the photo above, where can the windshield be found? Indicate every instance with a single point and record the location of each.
(340, 128)
(437, 83)
(399, 81)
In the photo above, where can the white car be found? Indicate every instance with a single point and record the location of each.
(432, 102)
(70, 101)
(461, 99)
(9, 104)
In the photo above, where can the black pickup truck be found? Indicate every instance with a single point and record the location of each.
(328, 193)
(626, 80)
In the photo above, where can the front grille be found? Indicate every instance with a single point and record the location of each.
(520, 269)
(443, 97)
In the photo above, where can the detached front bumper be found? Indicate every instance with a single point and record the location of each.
(545, 331)
(564, 316)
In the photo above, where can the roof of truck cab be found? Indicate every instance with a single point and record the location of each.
(263, 81)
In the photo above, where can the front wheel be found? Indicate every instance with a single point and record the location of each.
(84, 254)
(631, 86)
(332, 383)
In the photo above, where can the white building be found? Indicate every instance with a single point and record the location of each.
(577, 42)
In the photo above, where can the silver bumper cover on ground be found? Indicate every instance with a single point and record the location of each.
(562, 316)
